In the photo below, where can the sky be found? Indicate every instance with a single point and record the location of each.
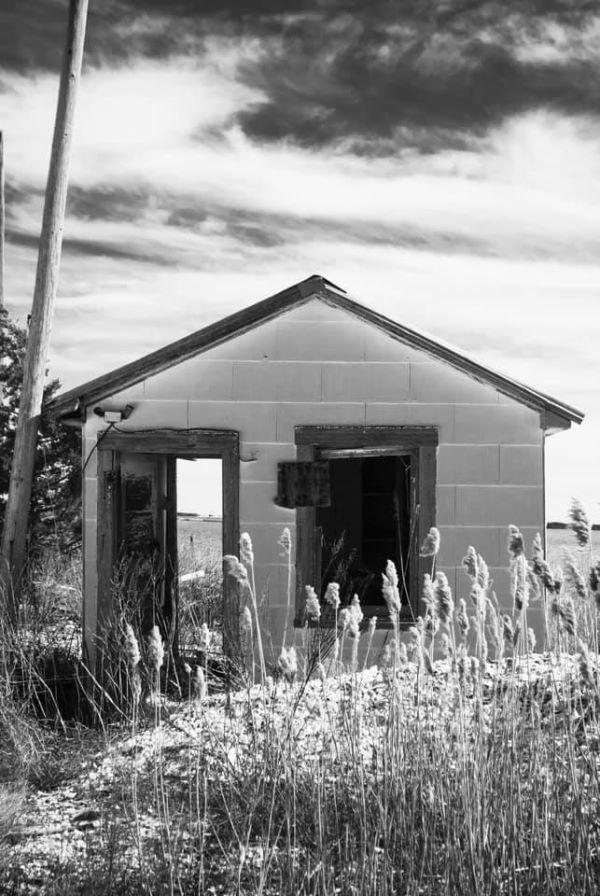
(438, 159)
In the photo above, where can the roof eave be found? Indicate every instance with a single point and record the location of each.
(75, 400)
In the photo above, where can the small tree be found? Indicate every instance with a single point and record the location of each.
(55, 512)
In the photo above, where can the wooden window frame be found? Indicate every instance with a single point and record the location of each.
(333, 442)
(201, 443)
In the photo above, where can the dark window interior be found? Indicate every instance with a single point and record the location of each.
(366, 524)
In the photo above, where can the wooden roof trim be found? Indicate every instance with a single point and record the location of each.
(208, 337)
(510, 387)
(71, 402)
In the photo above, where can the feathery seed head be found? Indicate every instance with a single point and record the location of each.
(573, 577)
(508, 629)
(483, 573)
(537, 551)
(332, 595)
(515, 542)
(446, 645)
(372, 625)
(579, 523)
(391, 573)
(462, 617)
(132, 649)
(187, 668)
(355, 609)
(292, 664)
(558, 580)
(246, 621)
(519, 581)
(534, 585)
(344, 618)
(353, 628)
(390, 595)
(543, 572)
(156, 651)
(234, 568)
(443, 599)
(402, 654)
(594, 577)
(313, 607)
(386, 657)
(531, 640)
(585, 663)
(567, 615)
(469, 562)
(285, 541)
(246, 552)
(431, 543)
(428, 595)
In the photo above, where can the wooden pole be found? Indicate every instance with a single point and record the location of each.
(12, 552)
(2, 220)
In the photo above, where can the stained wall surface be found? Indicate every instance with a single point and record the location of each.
(319, 365)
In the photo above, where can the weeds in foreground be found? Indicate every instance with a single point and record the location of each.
(466, 764)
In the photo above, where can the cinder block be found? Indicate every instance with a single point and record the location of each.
(434, 381)
(291, 414)
(265, 538)
(254, 420)
(277, 381)
(256, 345)
(504, 424)
(149, 414)
(90, 457)
(257, 505)
(489, 541)
(317, 311)
(90, 497)
(272, 633)
(271, 587)
(440, 415)
(500, 578)
(445, 505)
(468, 464)
(500, 505)
(131, 393)
(90, 541)
(306, 341)
(258, 462)
(366, 382)
(196, 379)
(521, 465)
(379, 346)
(507, 399)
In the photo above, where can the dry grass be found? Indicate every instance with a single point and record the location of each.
(477, 773)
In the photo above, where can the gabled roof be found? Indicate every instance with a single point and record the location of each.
(72, 402)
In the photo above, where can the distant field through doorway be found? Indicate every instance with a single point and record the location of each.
(199, 545)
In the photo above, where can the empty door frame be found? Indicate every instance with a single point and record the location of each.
(421, 442)
(200, 443)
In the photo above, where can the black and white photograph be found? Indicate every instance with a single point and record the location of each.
(299, 448)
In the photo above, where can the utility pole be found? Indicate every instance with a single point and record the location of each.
(12, 552)
(2, 220)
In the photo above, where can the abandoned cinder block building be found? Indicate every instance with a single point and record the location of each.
(350, 429)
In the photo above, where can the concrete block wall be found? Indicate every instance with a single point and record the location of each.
(318, 365)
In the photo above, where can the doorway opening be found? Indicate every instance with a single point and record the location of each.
(367, 523)
(199, 547)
